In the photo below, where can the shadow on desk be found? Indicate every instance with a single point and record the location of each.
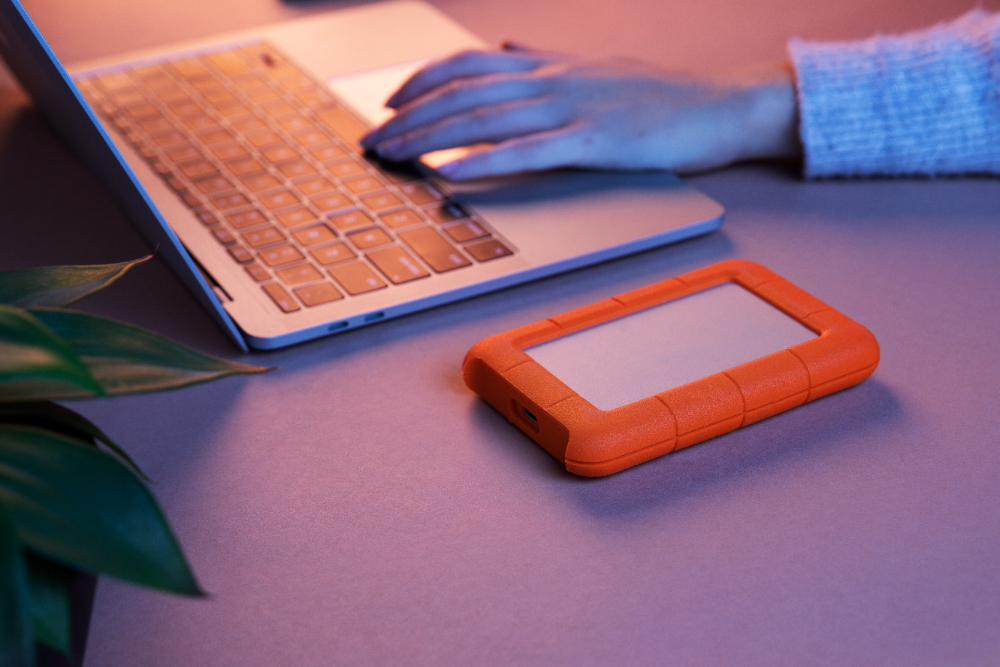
(843, 420)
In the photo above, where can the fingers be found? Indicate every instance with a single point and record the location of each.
(453, 99)
(488, 124)
(545, 150)
(465, 64)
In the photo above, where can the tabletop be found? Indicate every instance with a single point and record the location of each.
(360, 506)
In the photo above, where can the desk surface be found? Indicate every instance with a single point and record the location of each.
(361, 507)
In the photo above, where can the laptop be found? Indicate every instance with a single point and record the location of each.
(238, 158)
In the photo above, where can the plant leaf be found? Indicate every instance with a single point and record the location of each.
(17, 648)
(58, 285)
(126, 359)
(54, 417)
(83, 507)
(35, 363)
(49, 584)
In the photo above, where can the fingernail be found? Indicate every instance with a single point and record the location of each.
(392, 101)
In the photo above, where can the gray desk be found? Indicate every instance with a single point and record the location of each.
(361, 507)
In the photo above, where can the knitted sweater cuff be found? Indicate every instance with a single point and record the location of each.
(926, 103)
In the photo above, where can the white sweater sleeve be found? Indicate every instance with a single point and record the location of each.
(927, 102)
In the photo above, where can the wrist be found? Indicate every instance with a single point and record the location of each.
(769, 117)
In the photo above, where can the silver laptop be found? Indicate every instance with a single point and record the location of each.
(237, 156)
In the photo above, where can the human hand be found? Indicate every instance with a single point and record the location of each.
(545, 110)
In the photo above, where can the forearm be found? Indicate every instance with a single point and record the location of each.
(924, 103)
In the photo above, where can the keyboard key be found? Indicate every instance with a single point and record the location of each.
(328, 153)
(224, 236)
(191, 69)
(279, 199)
(356, 278)
(296, 169)
(264, 139)
(281, 154)
(420, 193)
(228, 152)
(143, 111)
(261, 182)
(312, 138)
(314, 186)
(257, 272)
(228, 62)
(446, 212)
(282, 298)
(186, 109)
(329, 203)
(369, 238)
(240, 254)
(433, 249)
(313, 235)
(173, 95)
(397, 264)
(165, 139)
(247, 80)
(163, 169)
(230, 201)
(156, 125)
(295, 217)
(487, 250)
(295, 122)
(314, 295)
(199, 169)
(284, 254)
(261, 93)
(262, 237)
(234, 111)
(313, 98)
(176, 184)
(465, 231)
(332, 254)
(215, 137)
(207, 84)
(200, 123)
(382, 201)
(250, 124)
(278, 109)
(364, 184)
(183, 154)
(400, 219)
(352, 220)
(220, 98)
(246, 218)
(207, 217)
(299, 274)
(343, 123)
(245, 166)
(213, 184)
(191, 200)
(346, 168)
(294, 80)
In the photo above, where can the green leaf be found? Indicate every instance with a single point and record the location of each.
(17, 649)
(126, 359)
(81, 506)
(54, 417)
(49, 584)
(35, 363)
(58, 285)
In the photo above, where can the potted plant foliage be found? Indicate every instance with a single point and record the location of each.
(70, 498)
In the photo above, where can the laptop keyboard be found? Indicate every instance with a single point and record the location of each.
(269, 162)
